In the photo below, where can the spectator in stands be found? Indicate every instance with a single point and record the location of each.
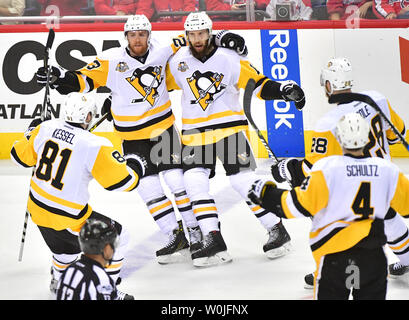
(233, 5)
(391, 9)
(299, 10)
(11, 8)
(65, 7)
(151, 7)
(115, 7)
(342, 9)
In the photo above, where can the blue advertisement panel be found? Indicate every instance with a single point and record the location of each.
(284, 122)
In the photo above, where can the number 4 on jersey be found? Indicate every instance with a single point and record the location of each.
(362, 202)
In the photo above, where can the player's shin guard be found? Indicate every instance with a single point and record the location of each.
(114, 268)
(175, 181)
(203, 205)
(159, 206)
(397, 235)
(60, 262)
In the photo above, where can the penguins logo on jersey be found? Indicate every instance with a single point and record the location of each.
(204, 86)
(146, 82)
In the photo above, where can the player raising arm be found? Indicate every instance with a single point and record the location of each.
(143, 119)
(337, 78)
(66, 158)
(213, 125)
(348, 198)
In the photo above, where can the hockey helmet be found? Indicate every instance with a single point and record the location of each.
(77, 106)
(352, 131)
(138, 22)
(338, 72)
(198, 21)
(95, 235)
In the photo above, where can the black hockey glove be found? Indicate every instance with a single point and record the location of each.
(136, 163)
(106, 108)
(257, 190)
(41, 74)
(291, 91)
(232, 41)
(33, 124)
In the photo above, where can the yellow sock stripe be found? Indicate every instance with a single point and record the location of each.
(157, 208)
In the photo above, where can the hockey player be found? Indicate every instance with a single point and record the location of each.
(66, 157)
(142, 118)
(348, 198)
(213, 125)
(337, 78)
(86, 279)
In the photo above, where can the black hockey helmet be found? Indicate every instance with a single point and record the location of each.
(95, 235)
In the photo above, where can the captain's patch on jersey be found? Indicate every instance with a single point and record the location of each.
(204, 86)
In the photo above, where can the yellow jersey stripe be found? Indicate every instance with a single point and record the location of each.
(55, 199)
(210, 137)
(147, 114)
(213, 116)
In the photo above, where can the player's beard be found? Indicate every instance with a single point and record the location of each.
(204, 50)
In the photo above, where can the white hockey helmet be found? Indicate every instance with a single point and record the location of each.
(198, 21)
(338, 72)
(77, 106)
(138, 22)
(352, 131)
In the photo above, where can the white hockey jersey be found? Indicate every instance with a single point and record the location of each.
(211, 109)
(66, 159)
(381, 136)
(141, 108)
(344, 194)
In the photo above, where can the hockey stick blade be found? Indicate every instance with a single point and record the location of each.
(352, 96)
(248, 95)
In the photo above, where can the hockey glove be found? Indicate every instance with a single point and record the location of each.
(136, 163)
(232, 41)
(106, 108)
(41, 74)
(291, 91)
(257, 190)
(33, 124)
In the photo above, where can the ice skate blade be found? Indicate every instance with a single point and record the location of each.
(280, 251)
(218, 258)
(177, 257)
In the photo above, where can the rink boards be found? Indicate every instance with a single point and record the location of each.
(380, 58)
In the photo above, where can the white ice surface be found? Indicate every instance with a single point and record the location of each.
(251, 275)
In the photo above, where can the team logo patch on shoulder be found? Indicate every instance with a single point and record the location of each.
(205, 86)
(182, 66)
(122, 67)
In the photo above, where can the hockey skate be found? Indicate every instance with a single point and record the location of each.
(309, 281)
(213, 251)
(53, 283)
(177, 248)
(399, 272)
(278, 243)
(195, 238)
(123, 296)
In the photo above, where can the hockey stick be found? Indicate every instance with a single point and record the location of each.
(248, 94)
(96, 124)
(45, 111)
(23, 236)
(352, 96)
(45, 114)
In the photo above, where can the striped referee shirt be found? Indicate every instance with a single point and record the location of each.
(86, 279)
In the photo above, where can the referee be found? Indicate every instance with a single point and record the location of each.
(86, 279)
